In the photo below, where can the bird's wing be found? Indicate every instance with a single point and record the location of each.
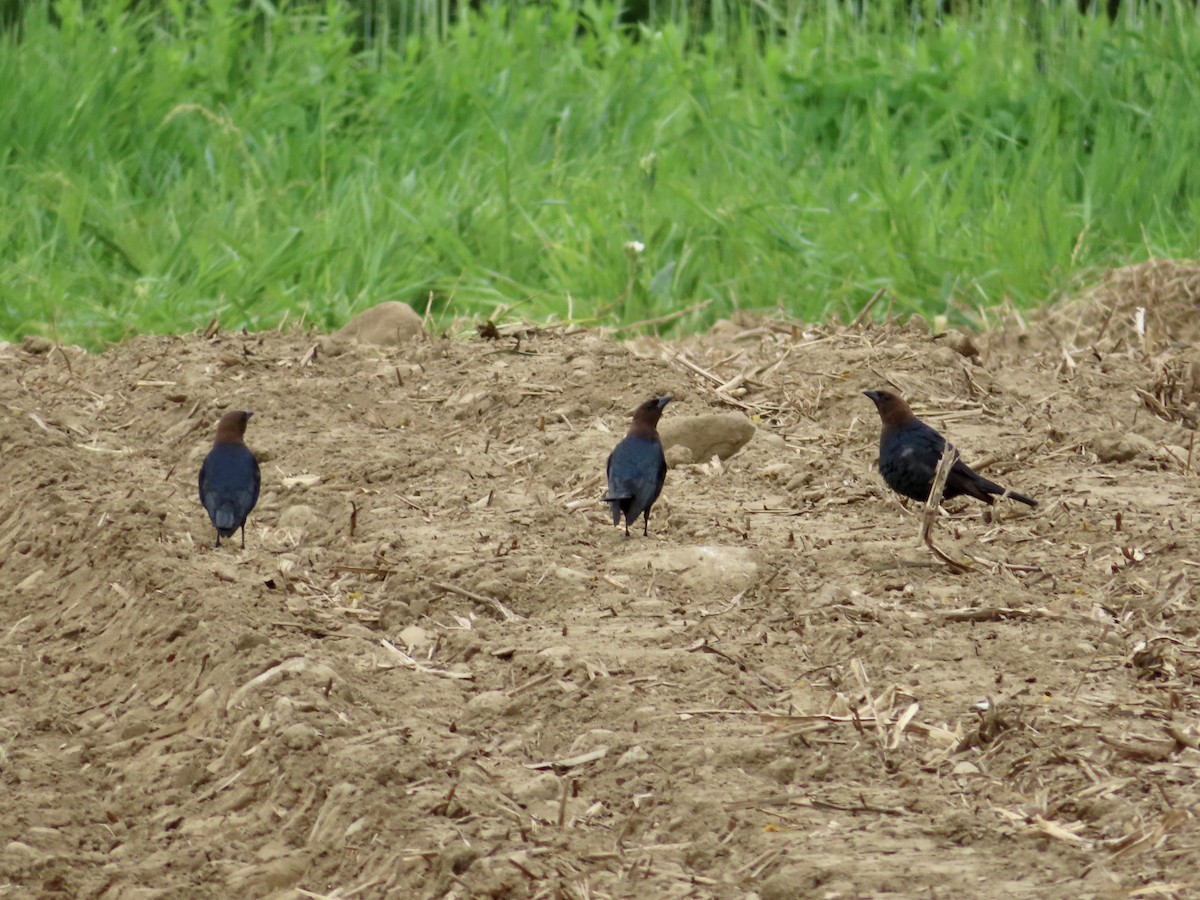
(661, 474)
(257, 479)
(919, 450)
(621, 486)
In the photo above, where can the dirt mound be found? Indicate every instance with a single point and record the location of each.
(1143, 307)
(437, 670)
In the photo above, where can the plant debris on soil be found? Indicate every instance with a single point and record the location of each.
(437, 670)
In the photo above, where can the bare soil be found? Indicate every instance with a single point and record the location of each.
(437, 670)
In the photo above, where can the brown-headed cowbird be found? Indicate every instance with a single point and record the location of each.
(229, 478)
(909, 452)
(637, 467)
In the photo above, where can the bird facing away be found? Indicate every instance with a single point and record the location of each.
(909, 452)
(637, 467)
(229, 478)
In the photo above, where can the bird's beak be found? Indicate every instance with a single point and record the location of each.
(873, 396)
(248, 414)
(663, 401)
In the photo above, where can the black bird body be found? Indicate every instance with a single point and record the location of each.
(229, 478)
(909, 452)
(637, 467)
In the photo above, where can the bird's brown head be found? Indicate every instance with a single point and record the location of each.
(232, 427)
(892, 409)
(647, 415)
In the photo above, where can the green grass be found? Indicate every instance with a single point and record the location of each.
(162, 166)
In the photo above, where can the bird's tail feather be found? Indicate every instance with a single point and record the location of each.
(225, 519)
(615, 502)
(995, 489)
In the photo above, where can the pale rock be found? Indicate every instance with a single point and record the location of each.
(917, 323)
(300, 737)
(206, 700)
(560, 654)
(333, 345)
(30, 580)
(17, 849)
(414, 637)
(36, 344)
(589, 740)
(782, 770)
(223, 569)
(546, 786)
(718, 434)
(388, 324)
(631, 757)
(488, 703)
(960, 343)
(1113, 447)
(393, 613)
(565, 573)
(781, 470)
(678, 455)
(791, 882)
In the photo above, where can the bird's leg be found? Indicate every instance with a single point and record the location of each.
(243, 536)
(218, 543)
(627, 529)
(646, 525)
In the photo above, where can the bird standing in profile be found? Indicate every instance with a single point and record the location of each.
(637, 467)
(229, 478)
(909, 452)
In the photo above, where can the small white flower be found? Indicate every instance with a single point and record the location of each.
(634, 247)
